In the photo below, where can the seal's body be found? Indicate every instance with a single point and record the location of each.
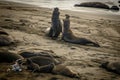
(56, 27)
(112, 66)
(68, 35)
(5, 39)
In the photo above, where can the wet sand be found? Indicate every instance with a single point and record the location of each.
(27, 24)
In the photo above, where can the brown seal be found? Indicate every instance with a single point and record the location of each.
(5, 39)
(64, 70)
(56, 26)
(37, 67)
(45, 65)
(68, 35)
(41, 61)
(42, 53)
(112, 66)
(9, 57)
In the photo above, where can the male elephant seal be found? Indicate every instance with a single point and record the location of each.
(37, 68)
(112, 66)
(43, 53)
(46, 66)
(68, 35)
(56, 26)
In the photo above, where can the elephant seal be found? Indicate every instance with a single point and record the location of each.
(56, 26)
(64, 70)
(9, 57)
(40, 60)
(42, 53)
(31, 53)
(46, 66)
(31, 65)
(5, 39)
(68, 35)
(112, 66)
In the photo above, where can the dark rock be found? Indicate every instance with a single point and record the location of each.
(93, 4)
(9, 57)
(112, 66)
(114, 8)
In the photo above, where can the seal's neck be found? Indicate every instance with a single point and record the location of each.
(55, 15)
(66, 24)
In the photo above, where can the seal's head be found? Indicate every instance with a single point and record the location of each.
(56, 9)
(67, 16)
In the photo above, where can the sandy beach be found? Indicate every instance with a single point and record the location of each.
(27, 24)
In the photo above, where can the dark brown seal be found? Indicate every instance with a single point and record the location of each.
(56, 26)
(112, 67)
(5, 39)
(41, 64)
(43, 53)
(64, 70)
(32, 66)
(68, 35)
(45, 68)
(2, 32)
(9, 57)
(40, 60)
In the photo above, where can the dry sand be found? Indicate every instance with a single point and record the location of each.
(27, 23)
